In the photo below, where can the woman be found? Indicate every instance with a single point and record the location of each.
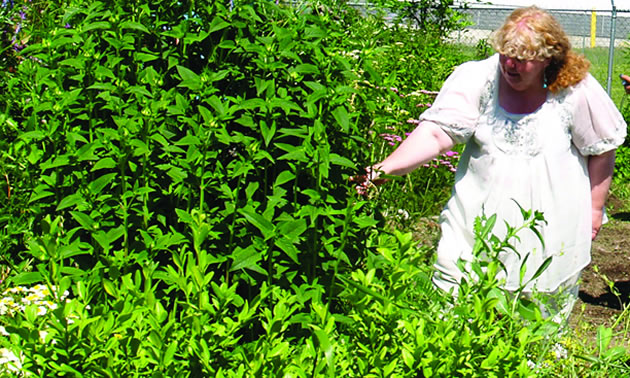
(540, 132)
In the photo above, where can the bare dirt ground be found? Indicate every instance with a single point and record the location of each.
(605, 283)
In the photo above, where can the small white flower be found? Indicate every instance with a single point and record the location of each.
(41, 310)
(9, 360)
(559, 351)
(531, 364)
(403, 214)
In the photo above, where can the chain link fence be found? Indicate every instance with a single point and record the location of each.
(587, 29)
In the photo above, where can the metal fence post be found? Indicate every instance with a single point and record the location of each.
(611, 49)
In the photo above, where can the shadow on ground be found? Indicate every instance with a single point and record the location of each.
(609, 298)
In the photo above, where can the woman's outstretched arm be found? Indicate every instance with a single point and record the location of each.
(427, 141)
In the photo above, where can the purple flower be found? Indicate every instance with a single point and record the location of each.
(424, 91)
(391, 137)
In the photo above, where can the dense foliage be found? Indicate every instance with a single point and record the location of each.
(175, 194)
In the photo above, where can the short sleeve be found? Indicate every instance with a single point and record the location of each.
(597, 125)
(456, 108)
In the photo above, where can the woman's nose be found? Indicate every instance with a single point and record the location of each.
(511, 62)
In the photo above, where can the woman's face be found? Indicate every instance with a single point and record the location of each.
(522, 75)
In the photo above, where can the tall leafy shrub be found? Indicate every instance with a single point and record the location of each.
(177, 166)
(175, 176)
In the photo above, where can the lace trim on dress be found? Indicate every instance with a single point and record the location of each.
(606, 144)
(515, 134)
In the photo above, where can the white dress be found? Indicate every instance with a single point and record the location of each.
(538, 160)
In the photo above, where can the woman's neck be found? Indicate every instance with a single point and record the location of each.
(521, 102)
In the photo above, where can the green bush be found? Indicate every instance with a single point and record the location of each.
(175, 197)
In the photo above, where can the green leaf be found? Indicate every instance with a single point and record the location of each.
(293, 152)
(314, 32)
(325, 346)
(95, 25)
(169, 353)
(40, 192)
(340, 160)
(177, 174)
(54, 162)
(70, 201)
(542, 268)
(144, 57)
(285, 105)
(284, 177)
(110, 288)
(408, 358)
(134, 26)
(83, 219)
(247, 259)
(342, 118)
(490, 361)
(365, 221)
(141, 148)
(267, 132)
(253, 103)
(265, 227)
(205, 112)
(279, 350)
(190, 79)
(217, 24)
(115, 233)
(73, 62)
(32, 135)
(26, 278)
(604, 336)
(139, 91)
(381, 298)
(96, 186)
(103, 86)
(527, 309)
(188, 140)
(306, 69)
(76, 273)
(288, 248)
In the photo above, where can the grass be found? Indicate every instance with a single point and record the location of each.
(598, 56)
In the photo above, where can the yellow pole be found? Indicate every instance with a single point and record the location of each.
(593, 27)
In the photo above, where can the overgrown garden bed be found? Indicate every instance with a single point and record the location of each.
(175, 179)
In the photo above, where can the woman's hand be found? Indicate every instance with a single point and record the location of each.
(626, 82)
(367, 180)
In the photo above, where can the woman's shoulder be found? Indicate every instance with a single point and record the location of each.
(587, 88)
(588, 82)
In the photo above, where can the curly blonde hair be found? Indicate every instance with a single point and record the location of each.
(533, 34)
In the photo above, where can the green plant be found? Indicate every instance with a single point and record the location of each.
(175, 175)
